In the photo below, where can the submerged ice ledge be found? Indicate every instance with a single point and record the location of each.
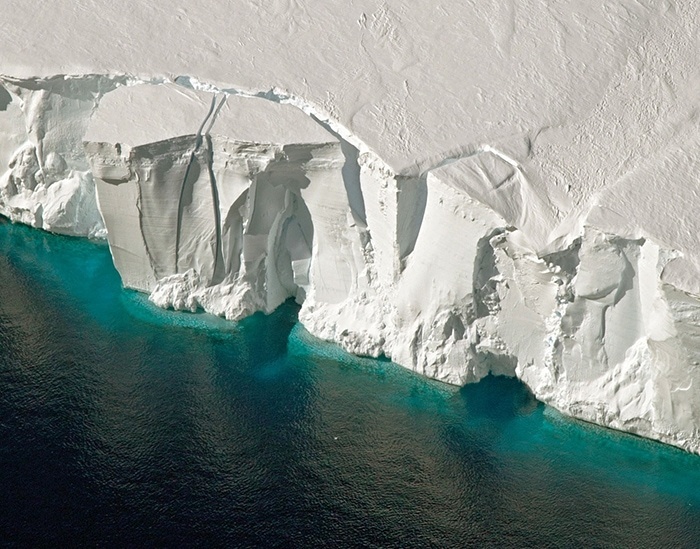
(236, 201)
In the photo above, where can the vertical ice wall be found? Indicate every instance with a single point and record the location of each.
(221, 198)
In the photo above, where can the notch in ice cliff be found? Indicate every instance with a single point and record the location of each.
(234, 201)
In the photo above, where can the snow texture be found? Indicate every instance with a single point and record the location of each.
(470, 187)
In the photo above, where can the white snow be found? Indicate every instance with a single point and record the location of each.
(465, 187)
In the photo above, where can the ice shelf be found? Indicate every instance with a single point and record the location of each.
(466, 188)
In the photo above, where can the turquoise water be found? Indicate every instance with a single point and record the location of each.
(121, 424)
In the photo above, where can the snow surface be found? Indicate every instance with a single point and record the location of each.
(464, 187)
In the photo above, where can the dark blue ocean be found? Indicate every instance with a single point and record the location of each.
(124, 425)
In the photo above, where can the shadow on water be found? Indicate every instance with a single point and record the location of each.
(124, 424)
(498, 399)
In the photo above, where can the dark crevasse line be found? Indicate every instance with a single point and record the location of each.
(215, 114)
(180, 207)
(139, 199)
(219, 267)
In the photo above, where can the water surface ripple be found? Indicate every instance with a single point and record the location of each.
(124, 425)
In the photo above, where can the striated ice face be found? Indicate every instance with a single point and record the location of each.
(223, 219)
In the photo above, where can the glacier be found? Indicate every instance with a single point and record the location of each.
(502, 187)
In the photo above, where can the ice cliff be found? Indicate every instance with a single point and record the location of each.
(530, 216)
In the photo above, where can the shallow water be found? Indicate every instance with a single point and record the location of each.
(121, 424)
